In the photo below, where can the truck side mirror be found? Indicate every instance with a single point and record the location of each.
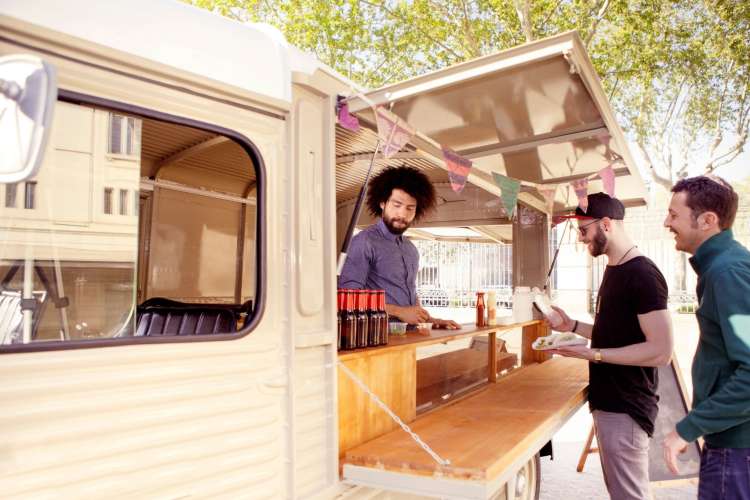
(28, 92)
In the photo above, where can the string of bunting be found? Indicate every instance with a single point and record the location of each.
(394, 133)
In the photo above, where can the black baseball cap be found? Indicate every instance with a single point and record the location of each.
(600, 205)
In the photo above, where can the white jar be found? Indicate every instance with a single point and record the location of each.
(522, 303)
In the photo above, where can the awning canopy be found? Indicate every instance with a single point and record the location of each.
(536, 113)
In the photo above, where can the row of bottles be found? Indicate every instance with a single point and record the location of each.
(362, 320)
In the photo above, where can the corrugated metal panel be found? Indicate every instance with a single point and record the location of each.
(349, 175)
(161, 141)
(137, 422)
(313, 409)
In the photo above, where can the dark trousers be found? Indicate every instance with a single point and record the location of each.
(724, 474)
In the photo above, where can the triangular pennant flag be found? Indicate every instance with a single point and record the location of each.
(346, 120)
(608, 180)
(393, 132)
(581, 187)
(458, 169)
(509, 189)
(548, 192)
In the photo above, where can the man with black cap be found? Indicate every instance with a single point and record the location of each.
(630, 337)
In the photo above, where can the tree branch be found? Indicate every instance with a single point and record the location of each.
(522, 10)
(597, 20)
(423, 32)
(718, 135)
(663, 181)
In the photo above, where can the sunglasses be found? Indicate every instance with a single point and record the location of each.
(582, 229)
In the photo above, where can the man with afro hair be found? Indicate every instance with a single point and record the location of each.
(379, 257)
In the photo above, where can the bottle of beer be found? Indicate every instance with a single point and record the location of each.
(383, 318)
(348, 322)
(340, 297)
(373, 319)
(361, 314)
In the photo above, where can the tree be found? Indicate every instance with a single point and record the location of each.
(677, 71)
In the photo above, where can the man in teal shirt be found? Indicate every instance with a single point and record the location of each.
(701, 214)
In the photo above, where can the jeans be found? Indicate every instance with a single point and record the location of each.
(724, 474)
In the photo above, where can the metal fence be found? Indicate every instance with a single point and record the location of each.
(450, 273)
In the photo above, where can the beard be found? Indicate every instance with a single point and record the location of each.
(397, 230)
(598, 243)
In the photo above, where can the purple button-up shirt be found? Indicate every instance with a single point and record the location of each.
(380, 260)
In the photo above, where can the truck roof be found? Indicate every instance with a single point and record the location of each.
(178, 35)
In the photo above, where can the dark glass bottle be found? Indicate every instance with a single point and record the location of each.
(340, 305)
(348, 322)
(373, 319)
(383, 318)
(361, 312)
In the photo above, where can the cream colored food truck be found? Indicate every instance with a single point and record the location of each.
(168, 299)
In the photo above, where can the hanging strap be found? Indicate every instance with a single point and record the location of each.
(357, 381)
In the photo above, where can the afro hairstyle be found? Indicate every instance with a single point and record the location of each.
(407, 179)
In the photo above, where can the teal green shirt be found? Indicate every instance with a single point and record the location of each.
(721, 367)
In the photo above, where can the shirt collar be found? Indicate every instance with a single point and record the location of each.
(387, 234)
(710, 249)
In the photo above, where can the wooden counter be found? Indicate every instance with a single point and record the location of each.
(412, 339)
(484, 436)
(391, 373)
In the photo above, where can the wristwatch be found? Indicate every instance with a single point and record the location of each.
(597, 355)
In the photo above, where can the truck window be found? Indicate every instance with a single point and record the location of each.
(135, 229)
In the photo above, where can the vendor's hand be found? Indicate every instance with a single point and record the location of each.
(673, 445)
(574, 351)
(567, 323)
(413, 314)
(445, 323)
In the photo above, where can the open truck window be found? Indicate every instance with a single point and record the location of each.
(136, 229)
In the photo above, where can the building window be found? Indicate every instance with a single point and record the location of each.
(123, 202)
(124, 135)
(108, 200)
(10, 195)
(136, 203)
(29, 202)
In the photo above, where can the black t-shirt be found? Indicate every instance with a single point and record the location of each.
(632, 288)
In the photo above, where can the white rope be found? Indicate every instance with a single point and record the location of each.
(395, 417)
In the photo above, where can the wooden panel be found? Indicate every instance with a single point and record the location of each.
(529, 335)
(483, 434)
(445, 375)
(392, 377)
(412, 339)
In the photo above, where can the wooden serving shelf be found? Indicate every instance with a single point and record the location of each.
(391, 373)
(487, 434)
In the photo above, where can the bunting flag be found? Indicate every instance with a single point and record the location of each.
(509, 189)
(608, 180)
(581, 187)
(548, 192)
(393, 132)
(346, 120)
(458, 169)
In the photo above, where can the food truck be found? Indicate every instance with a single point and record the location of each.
(169, 266)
